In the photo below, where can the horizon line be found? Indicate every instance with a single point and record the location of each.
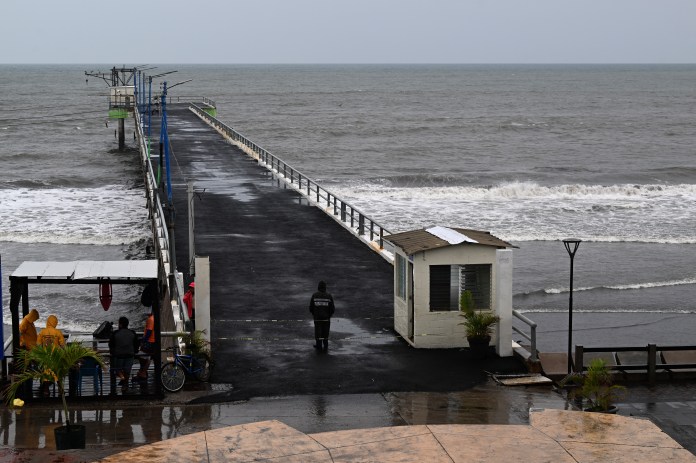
(370, 63)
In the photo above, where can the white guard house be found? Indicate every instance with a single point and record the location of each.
(432, 267)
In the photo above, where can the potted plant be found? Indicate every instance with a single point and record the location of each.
(198, 347)
(197, 344)
(478, 325)
(594, 388)
(53, 364)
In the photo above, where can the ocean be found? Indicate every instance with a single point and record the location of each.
(531, 153)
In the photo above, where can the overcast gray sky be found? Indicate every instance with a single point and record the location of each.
(348, 31)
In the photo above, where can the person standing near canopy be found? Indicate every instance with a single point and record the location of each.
(147, 345)
(27, 330)
(190, 301)
(51, 336)
(123, 345)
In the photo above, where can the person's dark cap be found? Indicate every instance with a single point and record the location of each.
(322, 285)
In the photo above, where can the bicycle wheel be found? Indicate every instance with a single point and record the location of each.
(173, 377)
(202, 368)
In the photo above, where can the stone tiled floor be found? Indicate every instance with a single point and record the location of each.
(552, 436)
(333, 421)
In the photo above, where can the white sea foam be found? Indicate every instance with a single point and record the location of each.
(629, 286)
(527, 211)
(610, 310)
(108, 215)
(521, 190)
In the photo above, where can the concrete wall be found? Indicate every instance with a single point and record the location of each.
(503, 297)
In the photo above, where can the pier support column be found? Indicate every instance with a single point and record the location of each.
(503, 301)
(203, 296)
(121, 134)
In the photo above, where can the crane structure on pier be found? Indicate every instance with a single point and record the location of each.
(123, 94)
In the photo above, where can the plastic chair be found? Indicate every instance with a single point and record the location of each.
(90, 367)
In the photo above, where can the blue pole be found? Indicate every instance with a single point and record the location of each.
(149, 114)
(142, 93)
(166, 143)
(135, 89)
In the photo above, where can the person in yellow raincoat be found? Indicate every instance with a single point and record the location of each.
(27, 330)
(51, 336)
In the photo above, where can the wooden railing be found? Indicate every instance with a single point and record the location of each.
(652, 365)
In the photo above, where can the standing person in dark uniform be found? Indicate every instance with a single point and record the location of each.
(322, 307)
(123, 345)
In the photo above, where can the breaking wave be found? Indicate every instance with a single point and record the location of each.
(109, 215)
(630, 286)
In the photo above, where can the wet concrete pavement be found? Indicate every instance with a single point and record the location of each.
(26, 435)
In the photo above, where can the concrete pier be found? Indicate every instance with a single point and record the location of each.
(268, 250)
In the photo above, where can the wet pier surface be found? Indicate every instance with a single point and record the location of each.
(268, 250)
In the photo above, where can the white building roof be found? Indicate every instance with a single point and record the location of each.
(89, 269)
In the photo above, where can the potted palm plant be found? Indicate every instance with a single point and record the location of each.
(53, 364)
(594, 388)
(478, 325)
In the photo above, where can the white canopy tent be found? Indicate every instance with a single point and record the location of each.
(83, 272)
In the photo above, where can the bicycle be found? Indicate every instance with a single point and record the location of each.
(174, 373)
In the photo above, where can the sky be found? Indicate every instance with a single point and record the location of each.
(348, 31)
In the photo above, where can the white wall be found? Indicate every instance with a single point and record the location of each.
(503, 297)
(203, 295)
(401, 305)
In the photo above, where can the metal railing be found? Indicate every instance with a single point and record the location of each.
(159, 228)
(359, 223)
(531, 337)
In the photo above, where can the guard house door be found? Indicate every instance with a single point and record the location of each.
(409, 298)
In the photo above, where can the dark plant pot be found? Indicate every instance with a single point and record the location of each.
(478, 347)
(70, 437)
(612, 410)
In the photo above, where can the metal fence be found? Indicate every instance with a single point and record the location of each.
(159, 229)
(531, 337)
(350, 216)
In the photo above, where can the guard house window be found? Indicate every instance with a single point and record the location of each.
(447, 282)
(401, 276)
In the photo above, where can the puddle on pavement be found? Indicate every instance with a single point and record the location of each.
(149, 422)
(349, 338)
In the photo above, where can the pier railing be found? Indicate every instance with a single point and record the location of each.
(648, 365)
(160, 231)
(531, 337)
(352, 218)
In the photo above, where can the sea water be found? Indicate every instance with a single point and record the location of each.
(531, 153)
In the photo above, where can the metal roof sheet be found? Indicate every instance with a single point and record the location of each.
(80, 270)
(421, 240)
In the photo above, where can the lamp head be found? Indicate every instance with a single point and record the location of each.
(571, 245)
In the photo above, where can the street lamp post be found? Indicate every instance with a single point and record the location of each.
(571, 245)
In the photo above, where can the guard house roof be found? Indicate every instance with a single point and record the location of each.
(439, 237)
(82, 271)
